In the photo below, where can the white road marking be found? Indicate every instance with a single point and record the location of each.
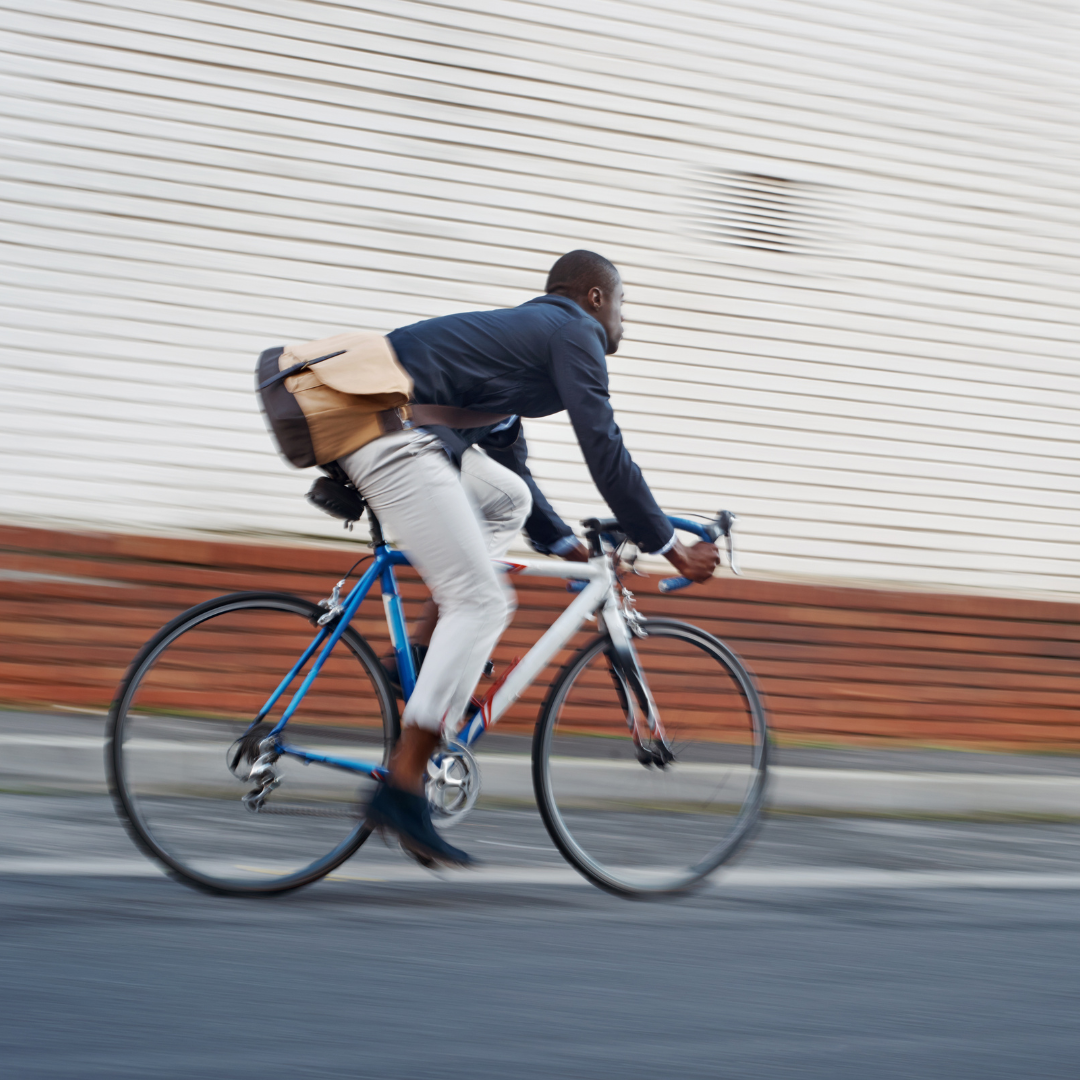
(55, 742)
(62, 867)
(765, 878)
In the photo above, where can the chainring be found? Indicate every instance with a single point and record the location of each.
(453, 783)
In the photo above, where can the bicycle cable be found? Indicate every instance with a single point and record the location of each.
(362, 559)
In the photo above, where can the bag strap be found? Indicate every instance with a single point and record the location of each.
(297, 368)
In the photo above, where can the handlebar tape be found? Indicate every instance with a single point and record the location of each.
(670, 584)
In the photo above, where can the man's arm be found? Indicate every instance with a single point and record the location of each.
(579, 371)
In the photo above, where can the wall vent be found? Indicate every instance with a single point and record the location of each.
(767, 213)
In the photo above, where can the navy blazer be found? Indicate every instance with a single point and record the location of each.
(534, 360)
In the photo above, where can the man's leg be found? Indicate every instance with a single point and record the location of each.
(502, 502)
(419, 500)
(502, 499)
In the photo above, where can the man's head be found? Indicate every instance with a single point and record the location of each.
(594, 285)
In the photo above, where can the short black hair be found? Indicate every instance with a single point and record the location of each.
(578, 271)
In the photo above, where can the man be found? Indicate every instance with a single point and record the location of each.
(534, 360)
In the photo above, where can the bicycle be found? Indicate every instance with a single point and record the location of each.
(648, 759)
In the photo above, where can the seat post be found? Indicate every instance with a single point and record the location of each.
(375, 528)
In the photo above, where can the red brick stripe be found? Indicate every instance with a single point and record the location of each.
(836, 665)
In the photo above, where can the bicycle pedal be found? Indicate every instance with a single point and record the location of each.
(644, 756)
(489, 669)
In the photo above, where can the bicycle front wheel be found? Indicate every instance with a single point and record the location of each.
(637, 829)
(192, 691)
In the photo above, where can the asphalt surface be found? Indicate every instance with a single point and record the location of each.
(523, 970)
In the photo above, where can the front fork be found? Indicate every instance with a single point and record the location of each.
(642, 716)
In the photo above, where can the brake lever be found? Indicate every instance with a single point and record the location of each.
(721, 525)
(631, 564)
(725, 524)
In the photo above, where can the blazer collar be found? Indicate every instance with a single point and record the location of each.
(569, 305)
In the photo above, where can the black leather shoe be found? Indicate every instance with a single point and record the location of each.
(409, 816)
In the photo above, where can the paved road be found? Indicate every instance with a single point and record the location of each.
(524, 971)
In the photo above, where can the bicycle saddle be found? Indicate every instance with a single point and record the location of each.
(335, 495)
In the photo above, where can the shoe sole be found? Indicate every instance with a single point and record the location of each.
(428, 859)
(421, 852)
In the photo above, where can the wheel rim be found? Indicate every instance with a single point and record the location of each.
(634, 829)
(193, 694)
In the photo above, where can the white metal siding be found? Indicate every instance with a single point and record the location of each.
(185, 183)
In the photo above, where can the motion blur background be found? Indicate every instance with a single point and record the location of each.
(848, 232)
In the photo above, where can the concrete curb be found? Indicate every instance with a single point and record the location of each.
(74, 764)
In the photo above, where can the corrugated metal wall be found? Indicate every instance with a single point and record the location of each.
(848, 231)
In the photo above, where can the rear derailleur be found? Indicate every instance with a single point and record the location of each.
(251, 759)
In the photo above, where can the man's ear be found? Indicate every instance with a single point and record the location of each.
(596, 297)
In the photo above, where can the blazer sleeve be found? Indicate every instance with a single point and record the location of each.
(579, 372)
(544, 528)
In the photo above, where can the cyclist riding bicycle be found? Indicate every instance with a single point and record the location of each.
(453, 508)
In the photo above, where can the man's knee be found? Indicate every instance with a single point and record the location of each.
(502, 498)
(517, 506)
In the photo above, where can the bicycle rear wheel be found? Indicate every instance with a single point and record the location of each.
(191, 692)
(635, 829)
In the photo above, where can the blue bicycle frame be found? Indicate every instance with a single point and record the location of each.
(381, 569)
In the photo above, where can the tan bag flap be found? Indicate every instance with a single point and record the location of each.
(366, 367)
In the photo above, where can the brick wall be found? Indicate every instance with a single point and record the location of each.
(835, 664)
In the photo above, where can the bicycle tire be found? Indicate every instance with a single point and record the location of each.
(143, 775)
(602, 784)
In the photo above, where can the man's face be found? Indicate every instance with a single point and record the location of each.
(609, 315)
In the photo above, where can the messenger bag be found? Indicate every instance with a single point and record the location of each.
(324, 399)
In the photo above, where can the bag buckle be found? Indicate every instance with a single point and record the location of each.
(404, 414)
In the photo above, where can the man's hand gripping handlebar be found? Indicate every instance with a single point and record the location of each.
(697, 563)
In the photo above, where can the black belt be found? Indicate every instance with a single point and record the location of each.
(410, 416)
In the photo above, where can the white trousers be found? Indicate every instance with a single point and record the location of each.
(451, 525)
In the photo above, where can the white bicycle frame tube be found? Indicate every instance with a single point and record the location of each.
(597, 594)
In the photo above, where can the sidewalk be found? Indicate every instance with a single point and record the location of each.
(62, 753)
